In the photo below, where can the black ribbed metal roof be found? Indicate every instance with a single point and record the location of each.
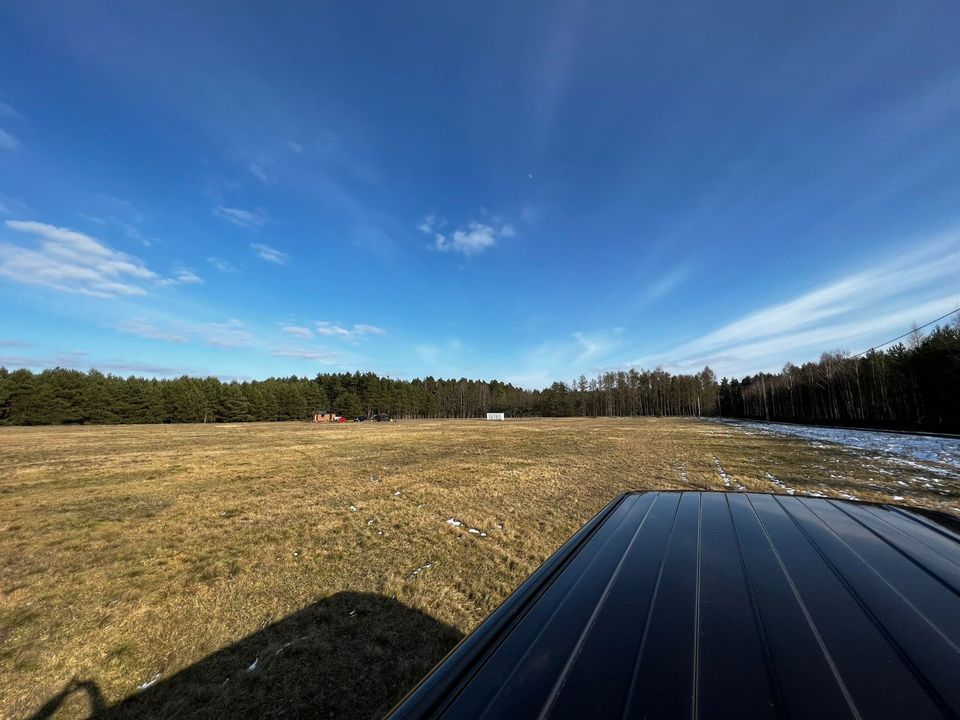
(722, 605)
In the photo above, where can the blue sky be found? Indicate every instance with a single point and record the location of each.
(525, 191)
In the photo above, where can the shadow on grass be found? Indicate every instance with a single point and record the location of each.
(352, 655)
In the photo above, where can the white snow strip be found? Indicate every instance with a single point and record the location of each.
(728, 481)
(779, 483)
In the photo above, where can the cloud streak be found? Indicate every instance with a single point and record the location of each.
(297, 331)
(357, 332)
(72, 262)
(8, 141)
(327, 357)
(858, 308)
(249, 219)
(471, 239)
(270, 254)
(145, 329)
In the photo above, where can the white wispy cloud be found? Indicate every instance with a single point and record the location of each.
(182, 277)
(143, 328)
(80, 361)
(297, 331)
(565, 357)
(221, 265)
(327, 357)
(265, 252)
(8, 111)
(250, 219)
(295, 146)
(229, 334)
(473, 239)
(71, 261)
(470, 239)
(430, 223)
(356, 332)
(860, 308)
(8, 141)
(259, 173)
(666, 283)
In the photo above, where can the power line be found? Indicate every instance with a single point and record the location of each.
(909, 332)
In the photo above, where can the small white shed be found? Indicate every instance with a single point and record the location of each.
(494, 416)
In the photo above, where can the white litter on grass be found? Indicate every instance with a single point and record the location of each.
(683, 474)
(397, 493)
(352, 613)
(253, 665)
(353, 508)
(499, 526)
(149, 682)
(848, 496)
(454, 522)
(898, 497)
(417, 571)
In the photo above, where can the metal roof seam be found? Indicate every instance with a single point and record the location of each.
(646, 624)
(519, 664)
(877, 623)
(903, 598)
(575, 653)
(909, 556)
(695, 703)
(806, 613)
(917, 518)
(772, 675)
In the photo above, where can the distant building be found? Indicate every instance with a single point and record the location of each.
(324, 416)
(494, 416)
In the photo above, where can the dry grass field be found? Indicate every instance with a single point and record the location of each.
(284, 570)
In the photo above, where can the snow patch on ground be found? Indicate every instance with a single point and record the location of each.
(910, 450)
(780, 484)
(728, 481)
(472, 530)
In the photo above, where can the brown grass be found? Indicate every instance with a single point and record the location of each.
(133, 552)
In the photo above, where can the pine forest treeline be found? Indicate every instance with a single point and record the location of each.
(909, 386)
